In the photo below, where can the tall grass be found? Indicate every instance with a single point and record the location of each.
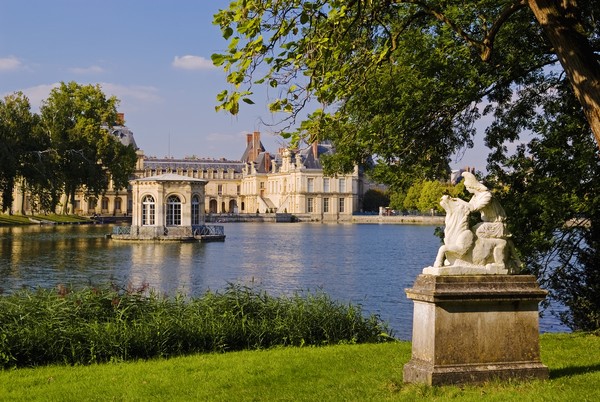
(94, 325)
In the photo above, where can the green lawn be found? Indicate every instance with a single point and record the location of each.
(367, 372)
(50, 218)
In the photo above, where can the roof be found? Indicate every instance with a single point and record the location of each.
(171, 177)
(192, 164)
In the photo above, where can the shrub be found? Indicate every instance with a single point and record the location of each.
(95, 325)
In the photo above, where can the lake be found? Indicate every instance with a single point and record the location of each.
(370, 265)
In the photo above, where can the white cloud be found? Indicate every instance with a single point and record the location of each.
(131, 93)
(189, 62)
(37, 94)
(87, 70)
(10, 63)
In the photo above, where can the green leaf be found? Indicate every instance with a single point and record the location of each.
(217, 59)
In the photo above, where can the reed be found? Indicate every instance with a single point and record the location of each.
(112, 323)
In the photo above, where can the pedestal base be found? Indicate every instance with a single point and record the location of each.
(474, 328)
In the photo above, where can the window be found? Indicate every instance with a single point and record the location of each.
(310, 185)
(341, 205)
(195, 210)
(342, 185)
(238, 189)
(148, 207)
(310, 205)
(173, 211)
(105, 204)
(220, 189)
(326, 184)
(118, 204)
(325, 205)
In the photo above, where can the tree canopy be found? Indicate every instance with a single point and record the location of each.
(76, 117)
(67, 147)
(16, 142)
(402, 79)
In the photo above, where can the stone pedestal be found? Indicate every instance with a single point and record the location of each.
(474, 328)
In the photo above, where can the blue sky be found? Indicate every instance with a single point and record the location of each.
(154, 55)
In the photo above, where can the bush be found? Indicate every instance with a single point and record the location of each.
(95, 325)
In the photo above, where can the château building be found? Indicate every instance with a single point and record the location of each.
(288, 181)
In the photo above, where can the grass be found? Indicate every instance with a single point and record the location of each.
(14, 220)
(58, 218)
(366, 372)
(7, 220)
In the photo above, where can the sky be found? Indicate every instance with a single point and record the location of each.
(154, 56)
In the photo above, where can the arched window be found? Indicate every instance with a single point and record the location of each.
(195, 210)
(148, 208)
(212, 206)
(173, 211)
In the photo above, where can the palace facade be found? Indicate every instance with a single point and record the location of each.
(288, 181)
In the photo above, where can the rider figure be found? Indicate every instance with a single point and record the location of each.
(492, 228)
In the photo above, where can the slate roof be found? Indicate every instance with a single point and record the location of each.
(171, 177)
(192, 164)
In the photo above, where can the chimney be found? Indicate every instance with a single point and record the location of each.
(256, 145)
(248, 139)
(267, 162)
(120, 119)
(315, 149)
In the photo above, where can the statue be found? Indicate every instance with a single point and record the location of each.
(486, 248)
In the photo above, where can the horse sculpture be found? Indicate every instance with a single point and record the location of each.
(465, 251)
(458, 237)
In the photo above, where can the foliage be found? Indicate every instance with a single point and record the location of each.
(550, 188)
(401, 80)
(431, 193)
(412, 196)
(373, 199)
(105, 324)
(425, 195)
(75, 118)
(17, 142)
(397, 200)
(67, 147)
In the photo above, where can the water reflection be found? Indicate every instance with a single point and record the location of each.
(366, 264)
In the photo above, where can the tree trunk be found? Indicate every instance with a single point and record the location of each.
(575, 55)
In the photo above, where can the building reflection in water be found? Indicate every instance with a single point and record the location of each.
(166, 267)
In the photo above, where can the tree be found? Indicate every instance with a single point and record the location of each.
(75, 119)
(401, 79)
(397, 200)
(411, 201)
(422, 64)
(373, 199)
(17, 125)
(430, 196)
(550, 188)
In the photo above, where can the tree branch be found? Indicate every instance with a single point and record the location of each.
(484, 46)
(488, 41)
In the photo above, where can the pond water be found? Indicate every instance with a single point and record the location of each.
(369, 265)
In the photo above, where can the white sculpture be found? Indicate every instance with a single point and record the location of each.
(485, 248)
